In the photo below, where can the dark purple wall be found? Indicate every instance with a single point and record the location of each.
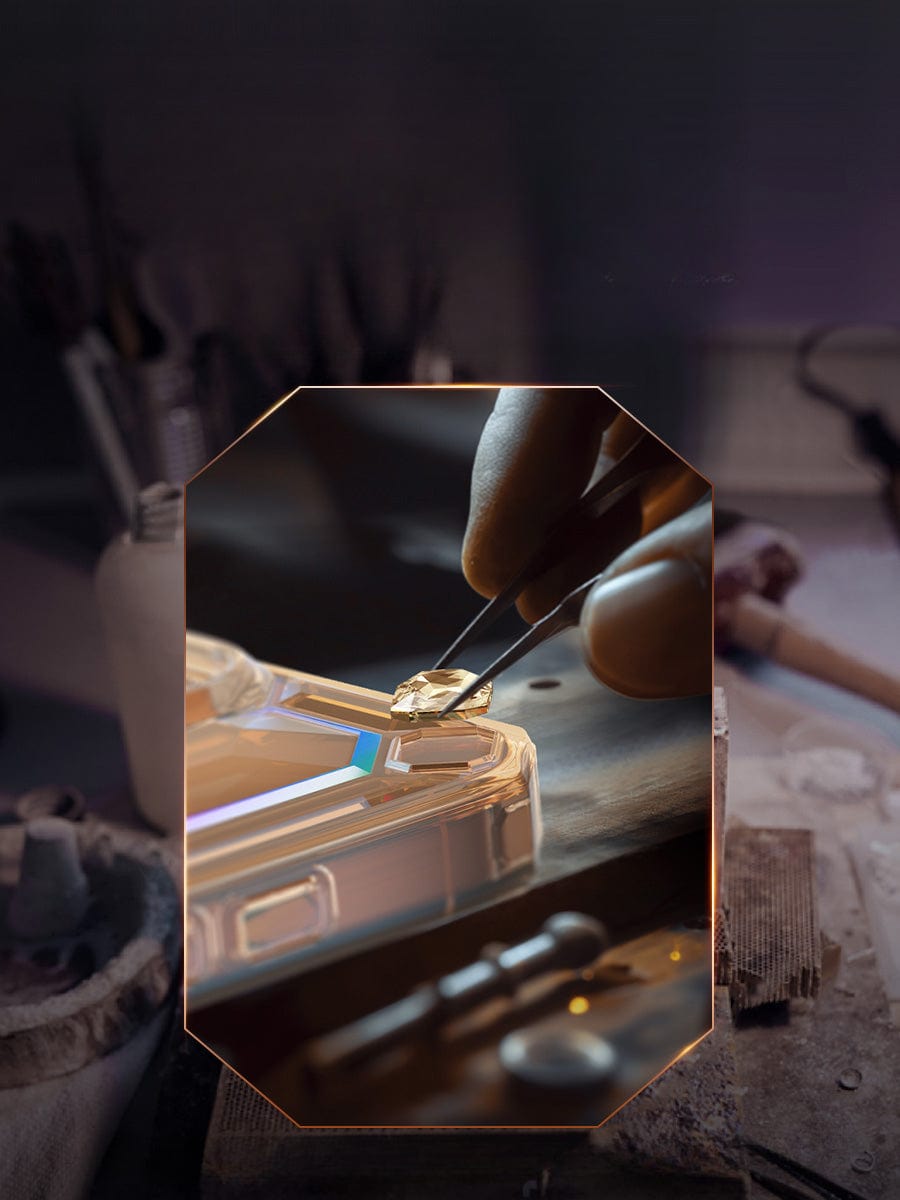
(597, 179)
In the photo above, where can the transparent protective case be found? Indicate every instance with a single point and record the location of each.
(315, 820)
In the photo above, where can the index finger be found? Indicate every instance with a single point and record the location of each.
(536, 455)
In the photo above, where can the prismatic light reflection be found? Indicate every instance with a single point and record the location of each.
(428, 694)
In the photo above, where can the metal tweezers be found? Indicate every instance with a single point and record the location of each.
(826, 1188)
(563, 537)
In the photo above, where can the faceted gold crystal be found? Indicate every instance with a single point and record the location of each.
(429, 692)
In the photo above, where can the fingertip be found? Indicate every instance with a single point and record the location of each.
(647, 633)
(478, 570)
(536, 454)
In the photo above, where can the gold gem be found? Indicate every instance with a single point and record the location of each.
(429, 692)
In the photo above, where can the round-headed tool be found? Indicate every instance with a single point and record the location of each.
(756, 566)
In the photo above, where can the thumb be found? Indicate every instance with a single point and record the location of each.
(647, 623)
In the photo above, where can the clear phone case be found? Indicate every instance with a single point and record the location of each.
(315, 820)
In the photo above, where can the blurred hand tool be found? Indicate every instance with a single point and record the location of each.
(567, 941)
(50, 297)
(756, 565)
(138, 321)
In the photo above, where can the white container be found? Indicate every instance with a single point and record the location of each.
(140, 589)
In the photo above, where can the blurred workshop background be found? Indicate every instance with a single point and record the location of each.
(207, 204)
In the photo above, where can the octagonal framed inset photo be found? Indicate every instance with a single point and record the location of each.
(402, 909)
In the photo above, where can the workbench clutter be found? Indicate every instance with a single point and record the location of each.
(837, 776)
(458, 880)
(90, 946)
(806, 954)
(151, 382)
(807, 934)
(770, 946)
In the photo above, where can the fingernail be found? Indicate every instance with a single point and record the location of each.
(648, 633)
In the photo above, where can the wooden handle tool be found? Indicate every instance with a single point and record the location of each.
(765, 628)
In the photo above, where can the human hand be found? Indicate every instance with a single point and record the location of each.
(646, 624)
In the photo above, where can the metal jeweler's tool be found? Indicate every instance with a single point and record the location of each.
(567, 941)
(642, 461)
(566, 614)
(645, 456)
